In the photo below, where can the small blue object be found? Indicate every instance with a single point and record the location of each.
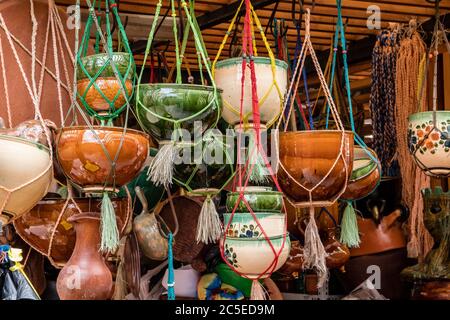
(171, 275)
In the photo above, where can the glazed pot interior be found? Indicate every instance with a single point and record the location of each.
(21, 161)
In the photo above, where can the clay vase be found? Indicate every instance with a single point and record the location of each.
(338, 253)
(153, 245)
(313, 159)
(85, 276)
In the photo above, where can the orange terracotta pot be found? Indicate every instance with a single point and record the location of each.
(36, 226)
(306, 157)
(85, 163)
(365, 175)
(110, 87)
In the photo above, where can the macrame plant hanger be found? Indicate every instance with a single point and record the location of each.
(349, 227)
(439, 37)
(109, 230)
(244, 169)
(34, 88)
(314, 251)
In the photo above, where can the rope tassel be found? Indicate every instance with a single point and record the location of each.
(160, 171)
(258, 173)
(349, 227)
(258, 292)
(314, 253)
(209, 226)
(109, 230)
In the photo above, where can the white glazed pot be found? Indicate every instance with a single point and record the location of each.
(186, 280)
(433, 154)
(25, 176)
(244, 225)
(228, 75)
(253, 257)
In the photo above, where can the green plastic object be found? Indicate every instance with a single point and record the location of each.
(230, 277)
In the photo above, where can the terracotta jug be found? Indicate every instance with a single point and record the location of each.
(153, 245)
(85, 276)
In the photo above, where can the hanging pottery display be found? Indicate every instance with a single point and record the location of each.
(47, 230)
(25, 176)
(164, 109)
(93, 279)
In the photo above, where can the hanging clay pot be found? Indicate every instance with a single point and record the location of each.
(36, 226)
(313, 158)
(244, 225)
(429, 145)
(85, 276)
(337, 253)
(228, 76)
(85, 163)
(176, 102)
(152, 243)
(92, 65)
(365, 175)
(31, 130)
(259, 199)
(25, 175)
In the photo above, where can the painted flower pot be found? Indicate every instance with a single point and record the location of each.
(430, 146)
(94, 63)
(254, 257)
(216, 167)
(244, 225)
(228, 75)
(258, 199)
(176, 102)
(313, 158)
(25, 176)
(365, 175)
(84, 162)
(36, 226)
(109, 90)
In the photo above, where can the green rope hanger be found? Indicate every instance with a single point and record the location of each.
(108, 68)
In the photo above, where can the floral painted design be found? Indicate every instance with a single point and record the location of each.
(437, 138)
(231, 256)
(244, 231)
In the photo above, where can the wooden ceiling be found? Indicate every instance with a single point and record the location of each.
(323, 19)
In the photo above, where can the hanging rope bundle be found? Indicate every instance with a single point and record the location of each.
(411, 56)
(383, 97)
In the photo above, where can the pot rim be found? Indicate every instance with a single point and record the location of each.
(415, 116)
(50, 201)
(197, 87)
(26, 141)
(115, 53)
(101, 78)
(314, 131)
(268, 213)
(84, 215)
(100, 128)
(258, 60)
(260, 239)
(256, 192)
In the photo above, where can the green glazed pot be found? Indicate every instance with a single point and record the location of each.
(207, 175)
(244, 225)
(259, 201)
(176, 102)
(95, 62)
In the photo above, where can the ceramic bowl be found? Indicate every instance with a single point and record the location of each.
(25, 175)
(254, 257)
(215, 168)
(308, 157)
(259, 200)
(365, 175)
(432, 154)
(93, 63)
(228, 75)
(186, 280)
(37, 225)
(244, 225)
(83, 161)
(109, 87)
(176, 102)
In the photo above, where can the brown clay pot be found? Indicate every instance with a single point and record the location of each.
(110, 88)
(308, 156)
(84, 162)
(432, 290)
(365, 175)
(376, 238)
(294, 262)
(85, 276)
(37, 225)
(338, 253)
